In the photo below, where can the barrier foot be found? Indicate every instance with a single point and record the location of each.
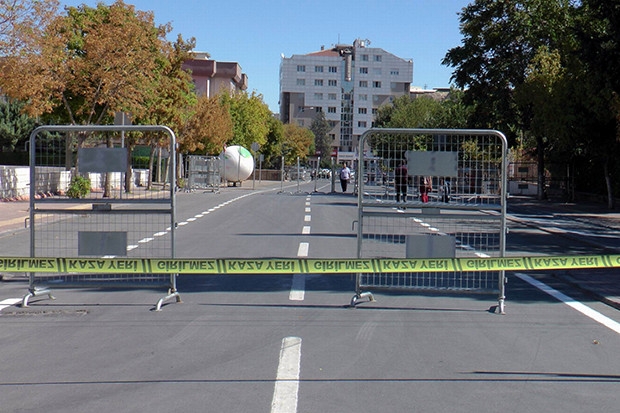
(34, 293)
(171, 294)
(360, 296)
(501, 307)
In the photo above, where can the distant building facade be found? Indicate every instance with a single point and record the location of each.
(348, 83)
(438, 94)
(212, 77)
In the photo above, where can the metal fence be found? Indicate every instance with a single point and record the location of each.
(112, 216)
(203, 173)
(449, 201)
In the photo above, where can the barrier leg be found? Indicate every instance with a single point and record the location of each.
(360, 296)
(171, 294)
(33, 292)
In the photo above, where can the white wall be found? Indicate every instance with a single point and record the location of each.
(15, 180)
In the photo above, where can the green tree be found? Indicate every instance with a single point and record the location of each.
(87, 64)
(406, 112)
(598, 32)
(425, 112)
(15, 126)
(297, 143)
(272, 149)
(454, 112)
(250, 117)
(501, 40)
(169, 99)
(323, 143)
(209, 127)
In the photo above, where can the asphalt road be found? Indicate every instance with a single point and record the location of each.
(275, 343)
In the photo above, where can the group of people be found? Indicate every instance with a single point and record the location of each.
(401, 182)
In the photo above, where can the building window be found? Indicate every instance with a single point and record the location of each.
(363, 97)
(364, 70)
(331, 109)
(301, 82)
(362, 111)
(318, 69)
(376, 84)
(332, 96)
(364, 58)
(363, 83)
(318, 82)
(318, 96)
(394, 72)
(377, 58)
(375, 111)
(333, 69)
(332, 82)
(361, 124)
(301, 68)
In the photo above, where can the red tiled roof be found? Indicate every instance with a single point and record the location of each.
(324, 53)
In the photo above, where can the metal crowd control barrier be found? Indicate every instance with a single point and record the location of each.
(451, 203)
(203, 172)
(111, 220)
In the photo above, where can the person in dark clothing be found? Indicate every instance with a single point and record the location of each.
(400, 182)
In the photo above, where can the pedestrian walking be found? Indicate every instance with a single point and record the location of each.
(345, 176)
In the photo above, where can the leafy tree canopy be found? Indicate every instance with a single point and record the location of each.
(87, 64)
(250, 117)
(297, 142)
(323, 143)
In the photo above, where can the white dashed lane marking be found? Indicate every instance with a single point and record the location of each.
(286, 389)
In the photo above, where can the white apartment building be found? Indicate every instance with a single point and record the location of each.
(348, 83)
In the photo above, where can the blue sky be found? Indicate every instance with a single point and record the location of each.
(255, 33)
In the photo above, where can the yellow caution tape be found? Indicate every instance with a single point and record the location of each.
(307, 266)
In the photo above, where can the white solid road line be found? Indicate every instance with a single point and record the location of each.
(576, 305)
(9, 302)
(286, 388)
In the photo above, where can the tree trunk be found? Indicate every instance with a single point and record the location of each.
(159, 164)
(167, 173)
(107, 187)
(610, 192)
(149, 184)
(128, 172)
(541, 194)
(180, 172)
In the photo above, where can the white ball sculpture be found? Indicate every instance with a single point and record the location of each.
(238, 163)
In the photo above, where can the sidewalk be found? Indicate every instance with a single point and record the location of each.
(603, 285)
(13, 215)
